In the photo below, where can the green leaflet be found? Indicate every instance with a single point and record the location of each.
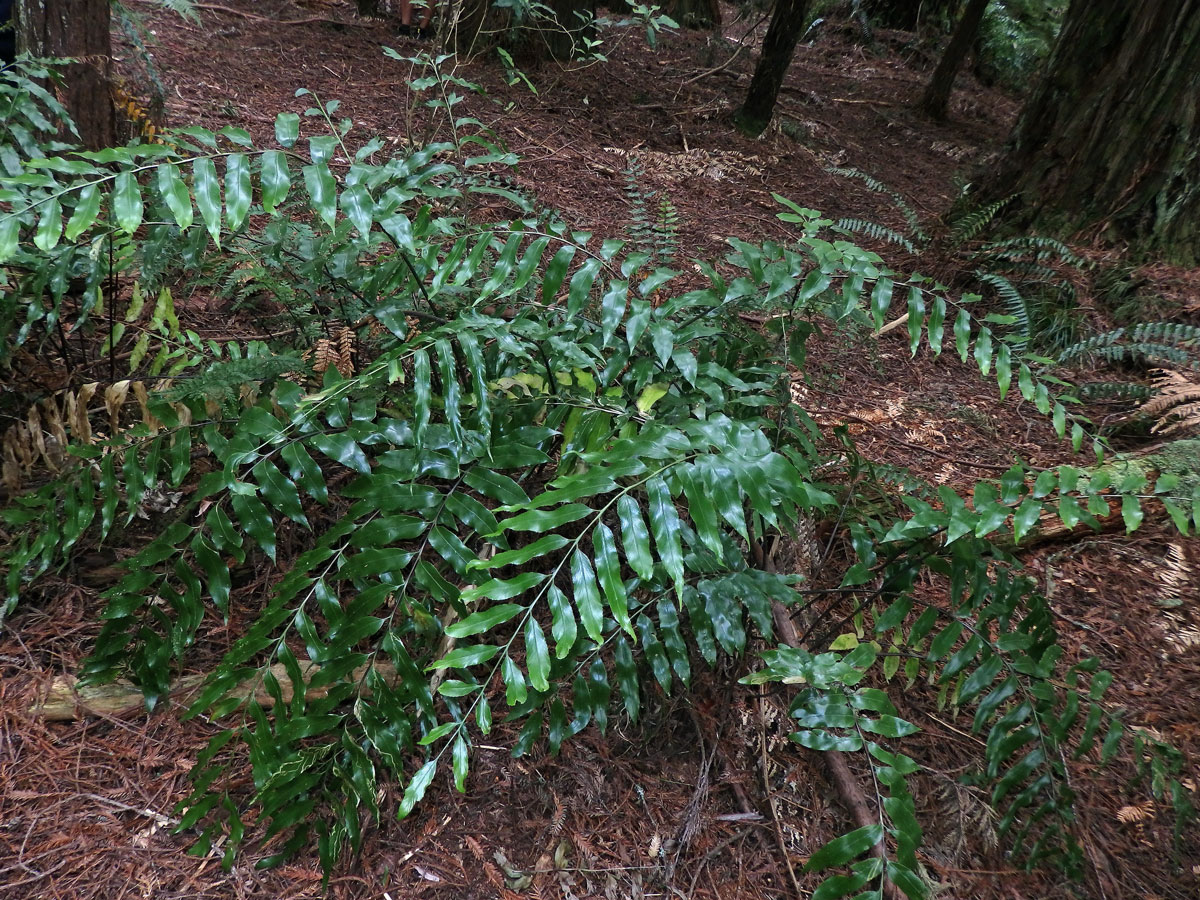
(322, 192)
(207, 193)
(49, 228)
(608, 569)
(843, 849)
(287, 128)
(537, 655)
(484, 620)
(357, 205)
(416, 788)
(275, 179)
(126, 203)
(252, 515)
(635, 538)
(526, 554)
(237, 190)
(86, 211)
(279, 491)
(563, 628)
(587, 595)
(664, 523)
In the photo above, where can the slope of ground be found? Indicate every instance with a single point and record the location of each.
(701, 799)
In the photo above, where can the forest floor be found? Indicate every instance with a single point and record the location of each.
(86, 805)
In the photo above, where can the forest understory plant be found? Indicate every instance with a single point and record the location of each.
(539, 480)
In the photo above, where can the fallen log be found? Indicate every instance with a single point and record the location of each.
(65, 699)
(1180, 458)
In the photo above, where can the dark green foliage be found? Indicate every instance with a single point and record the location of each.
(1167, 344)
(538, 493)
(1015, 38)
(653, 227)
(916, 232)
(1024, 273)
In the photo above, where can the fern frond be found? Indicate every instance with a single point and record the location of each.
(969, 226)
(1014, 304)
(225, 380)
(1114, 390)
(874, 184)
(1031, 245)
(1175, 405)
(874, 231)
(1151, 342)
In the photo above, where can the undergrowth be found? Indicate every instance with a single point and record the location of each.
(534, 492)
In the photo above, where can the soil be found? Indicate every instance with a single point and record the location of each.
(700, 799)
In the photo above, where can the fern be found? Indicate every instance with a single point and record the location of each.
(1151, 342)
(1040, 248)
(969, 226)
(1015, 38)
(875, 232)
(653, 227)
(874, 184)
(1113, 390)
(536, 513)
(1014, 303)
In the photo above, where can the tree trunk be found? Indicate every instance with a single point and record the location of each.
(79, 29)
(1110, 140)
(699, 14)
(787, 22)
(8, 38)
(573, 26)
(936, 101)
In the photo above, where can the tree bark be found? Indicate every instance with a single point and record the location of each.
(699, 14)
(936, 100)
(79, 29)
(1110, 140)
(573, 26)
(780, 43)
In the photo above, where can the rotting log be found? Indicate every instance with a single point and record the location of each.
(64, 699)
(1180, 458)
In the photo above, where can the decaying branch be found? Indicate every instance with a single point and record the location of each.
(64, 699)
(849, 790)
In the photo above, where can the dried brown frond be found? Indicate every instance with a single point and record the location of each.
(41, 438)
(560, 817)
(493, 876)
(1175, 406)
(336, 351)
(475, 847)
(322, 355)
(344, 338)
(1174, 573)
(1128, 815)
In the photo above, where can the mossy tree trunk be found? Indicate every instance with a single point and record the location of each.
(80, 29)
(936, 100)
(1110, 140)
(787, 22)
